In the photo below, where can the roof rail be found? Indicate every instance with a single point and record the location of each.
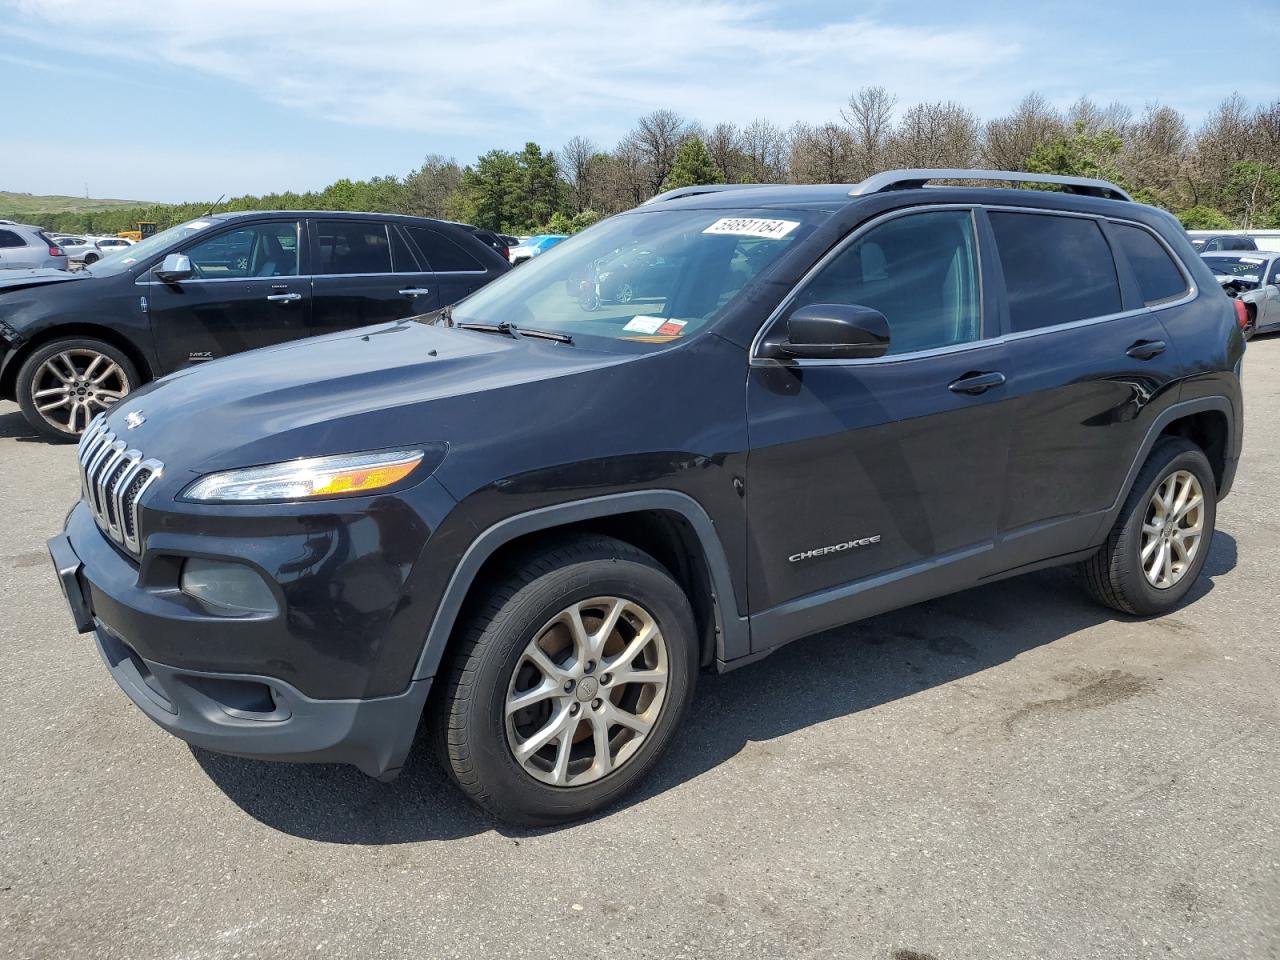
(910, 179)
(679, 192)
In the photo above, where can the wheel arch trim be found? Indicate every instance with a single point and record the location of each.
(733, 634)
(1172, 413)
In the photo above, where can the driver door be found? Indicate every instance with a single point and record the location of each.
(246, 291)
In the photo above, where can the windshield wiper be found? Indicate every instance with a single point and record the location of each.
(511, 330)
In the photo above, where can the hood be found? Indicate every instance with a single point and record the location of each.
(364, 389)
(19, 279)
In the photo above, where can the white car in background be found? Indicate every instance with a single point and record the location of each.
(79, 249)
(109, 245)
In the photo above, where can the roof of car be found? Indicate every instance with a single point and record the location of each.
(326, 214)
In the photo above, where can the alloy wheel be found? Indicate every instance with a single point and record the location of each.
(625, 294)
(71, 387)
(586, 691)
(1173, 529)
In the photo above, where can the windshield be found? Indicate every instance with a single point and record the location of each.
(640, 279)
(1242, 267)
(129, 255)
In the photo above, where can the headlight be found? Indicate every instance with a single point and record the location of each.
(352, 473)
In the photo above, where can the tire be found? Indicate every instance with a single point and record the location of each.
(1251, 321)
(91, 258)
(477, 739)
(1116, 574)
(49, 369)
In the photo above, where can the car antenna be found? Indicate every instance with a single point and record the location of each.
(214, 205)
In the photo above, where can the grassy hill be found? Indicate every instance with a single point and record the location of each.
(15, 206)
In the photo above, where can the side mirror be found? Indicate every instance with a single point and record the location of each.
(829, 331)
(176, 266)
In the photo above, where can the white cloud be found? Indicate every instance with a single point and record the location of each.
(507, 69)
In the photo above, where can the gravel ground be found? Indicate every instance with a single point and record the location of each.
(1010, 772)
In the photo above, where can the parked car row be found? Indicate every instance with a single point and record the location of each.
(89, 250)
(1253, 278)
(72, 344)
(530, 247)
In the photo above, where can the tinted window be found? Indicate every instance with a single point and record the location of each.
(1238, 243)
(1274, 275)
(442, 253)
(10, 239)
(401, 256)
(1158, 276)
(262, 250)
(1056, 269)
(920, 271)
(350, 246)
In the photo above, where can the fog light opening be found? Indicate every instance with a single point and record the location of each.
(227, 588)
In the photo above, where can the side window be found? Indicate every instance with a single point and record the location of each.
(352, 246)
(402, 257)
(920, 271)
(443, 255)
(1274, 275)
(260, 250)
(1158, 276)
(1056, 269)
(10, 239)
(1214, 244)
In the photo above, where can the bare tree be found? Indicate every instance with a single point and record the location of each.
(657, 137)
(941, 134)
(820, 154)
(764, 147)
(869, 116)
(427, 190)
(579, 159)
(1154, 152)
(1226, 137)
(1008, 141)
(724, 143)
(1094, 119)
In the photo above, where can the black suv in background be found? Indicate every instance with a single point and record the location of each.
(72, 344)
(537, 518)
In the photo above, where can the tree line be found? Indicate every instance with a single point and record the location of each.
(1223, 174)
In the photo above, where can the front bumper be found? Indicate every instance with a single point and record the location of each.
(229, 707)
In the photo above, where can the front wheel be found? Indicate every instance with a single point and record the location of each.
(1160, 541)
(66, 383)
(569, 683)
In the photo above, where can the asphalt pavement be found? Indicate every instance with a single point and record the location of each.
(1011, 772)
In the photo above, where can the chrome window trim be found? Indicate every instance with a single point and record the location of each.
(757, 361)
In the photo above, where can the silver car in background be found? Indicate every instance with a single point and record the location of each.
(23, 247)
(1253, 277)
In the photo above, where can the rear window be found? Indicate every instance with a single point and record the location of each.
(1057, 269)
(1158, 276)
(352, 246)
(443, 255)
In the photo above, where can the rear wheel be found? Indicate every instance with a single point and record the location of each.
(1160, 541)
(570, 682)
(65, 384)
(1251, 320)
(91, 258)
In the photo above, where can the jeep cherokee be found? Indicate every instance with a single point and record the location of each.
(535, 515)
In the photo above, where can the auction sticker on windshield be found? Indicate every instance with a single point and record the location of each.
(752, 227)
(644, 324)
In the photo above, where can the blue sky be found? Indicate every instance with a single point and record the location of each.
(135, 99)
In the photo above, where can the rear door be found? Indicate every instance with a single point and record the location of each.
(1269, 301)
(457, 267)
(364, 273)
(1089, 363)
(874, 483)
(247, 290)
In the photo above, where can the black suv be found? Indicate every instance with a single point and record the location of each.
(72, 344)
(537, 520)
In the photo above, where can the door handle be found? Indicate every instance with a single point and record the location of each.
(284, 297)
(976, 383)
(414, 292)
(1146, 349)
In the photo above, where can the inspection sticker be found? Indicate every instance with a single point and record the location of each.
(752, 227)
(672, 328)
(644, 324)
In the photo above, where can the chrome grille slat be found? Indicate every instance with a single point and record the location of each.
(113, 479)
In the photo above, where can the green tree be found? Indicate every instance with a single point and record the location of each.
(693, 166)
(1079, 154)
(1204, 218)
